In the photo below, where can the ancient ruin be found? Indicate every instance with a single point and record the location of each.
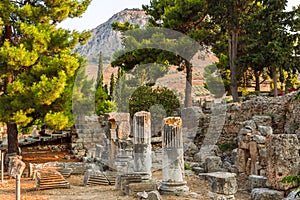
(142, 144)
(258, 145)
(173, 161)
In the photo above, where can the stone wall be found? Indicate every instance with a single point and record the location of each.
(91, 129)
(283, 110)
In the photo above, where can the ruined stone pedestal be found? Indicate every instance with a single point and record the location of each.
(223, 185)
(173, 163)
(142, 144)
(178, 187)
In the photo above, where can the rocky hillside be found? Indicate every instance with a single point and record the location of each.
(105, 39)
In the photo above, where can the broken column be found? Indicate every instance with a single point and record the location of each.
(173, 163)
(118, 143)
(142, 144)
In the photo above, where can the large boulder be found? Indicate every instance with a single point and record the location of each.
(266, 194)
(213, 164)
(257, 181)
(221, 182)
(282, 159)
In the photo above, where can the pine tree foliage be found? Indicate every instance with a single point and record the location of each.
(156, 46)
(103, 104)
(37, 64)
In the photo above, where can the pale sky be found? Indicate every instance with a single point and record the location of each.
(100, 11)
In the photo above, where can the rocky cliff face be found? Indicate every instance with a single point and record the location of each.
(105, 39)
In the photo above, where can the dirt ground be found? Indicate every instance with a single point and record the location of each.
(78, 191)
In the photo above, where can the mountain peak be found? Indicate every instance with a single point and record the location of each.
(105, 39)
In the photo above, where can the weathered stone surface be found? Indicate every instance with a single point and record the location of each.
(157, 157)
(266, 194)
(250, 125)
(243, 156)
(257, 181)
(123, 181)
(265, 130)
(216, 196)
(33, 168)
(293, 195)
(79, 167)
(142, 143)
(154, 195)
(213, 164)
(121, 121)
(190, 117)
(190, 149)
(133, 188)
(16, 166)
(262, 120)
(205, 151)
(282, 159)
(280, 113)
(252, 154)
(259, 139)
(52, 179)
(99, 150)
(173, 161)
(142, 195)
(198, 170)
(222, 182)
(92, 177)
(172, 150)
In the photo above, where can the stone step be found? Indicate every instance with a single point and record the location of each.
(50, 180)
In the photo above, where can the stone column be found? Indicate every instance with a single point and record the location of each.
(173, 163)
(142, 144)
(118, 142)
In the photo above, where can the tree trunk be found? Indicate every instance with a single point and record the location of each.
(12, 132)
(274, 75)
(257, 81)
(232, 45)
(188, 85)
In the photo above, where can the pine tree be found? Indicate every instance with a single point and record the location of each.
(37, 63)
(103, 103)
(99, 81)
(144, 46)
(112, 86)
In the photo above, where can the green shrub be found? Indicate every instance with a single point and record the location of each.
(187, 166)
(144, 97)
(294, 179)
(227, 146)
